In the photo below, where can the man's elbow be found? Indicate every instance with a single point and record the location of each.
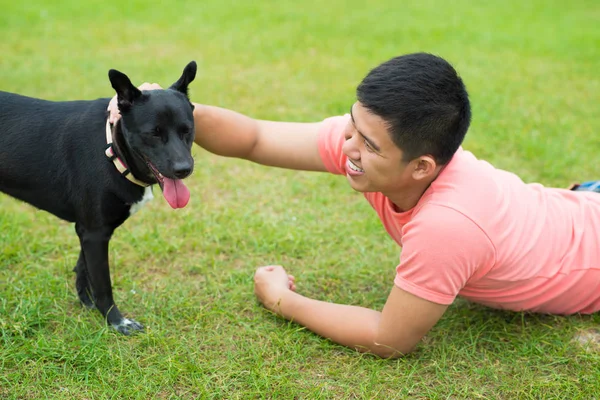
(391, 352)
(386, 345)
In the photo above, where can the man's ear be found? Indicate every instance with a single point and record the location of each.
(126, 92)
(424, 167)
(189, 73)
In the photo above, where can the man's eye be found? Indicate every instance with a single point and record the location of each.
(368, 146)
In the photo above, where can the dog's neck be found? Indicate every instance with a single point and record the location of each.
(138, 171)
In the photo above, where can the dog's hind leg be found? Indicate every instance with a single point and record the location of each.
(82, 284)
(94, 244)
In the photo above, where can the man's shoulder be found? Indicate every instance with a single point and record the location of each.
(472, 187)
(330, 139)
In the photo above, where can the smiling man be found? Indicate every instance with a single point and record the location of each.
(465, 228)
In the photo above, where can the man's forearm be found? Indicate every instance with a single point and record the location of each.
(291, 145)
(351, 326)
(224, 132)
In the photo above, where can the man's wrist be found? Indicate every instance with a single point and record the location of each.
(280, 303)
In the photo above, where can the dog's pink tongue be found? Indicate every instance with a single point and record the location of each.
(175, 192)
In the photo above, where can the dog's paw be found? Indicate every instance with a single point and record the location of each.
(87, 304)
(128, 326)
(86, 299)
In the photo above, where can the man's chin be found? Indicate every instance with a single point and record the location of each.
(355, 185)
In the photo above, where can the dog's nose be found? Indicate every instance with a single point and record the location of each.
(182, 169)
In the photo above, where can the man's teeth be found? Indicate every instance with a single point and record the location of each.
(353, 167)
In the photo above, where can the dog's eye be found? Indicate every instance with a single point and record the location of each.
(157, 132)
(183, 131)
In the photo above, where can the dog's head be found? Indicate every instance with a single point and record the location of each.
(158, 127)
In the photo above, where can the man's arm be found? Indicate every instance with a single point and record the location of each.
(231, 134)
(279, 144)
(391, 333)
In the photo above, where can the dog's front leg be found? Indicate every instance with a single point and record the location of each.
(82, 283)
(94, 245)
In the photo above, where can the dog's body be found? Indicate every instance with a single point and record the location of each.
(52, 156)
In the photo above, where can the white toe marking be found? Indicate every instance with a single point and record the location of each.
(126, 322)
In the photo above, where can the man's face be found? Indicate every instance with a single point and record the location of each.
(374, 162)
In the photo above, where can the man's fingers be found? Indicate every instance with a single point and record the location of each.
(149, 86)
(113, 109)
(270, 267)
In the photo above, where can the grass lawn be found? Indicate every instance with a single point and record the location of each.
(532, 70)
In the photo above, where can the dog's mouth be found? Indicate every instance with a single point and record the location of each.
(174, 190)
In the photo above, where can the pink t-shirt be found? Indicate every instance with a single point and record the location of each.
(481, 233)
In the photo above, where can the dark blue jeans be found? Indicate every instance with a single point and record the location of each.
(590, 186)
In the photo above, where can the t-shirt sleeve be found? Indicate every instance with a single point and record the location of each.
(330, 142)
(442, 249)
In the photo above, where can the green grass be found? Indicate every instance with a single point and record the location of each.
(532, 72)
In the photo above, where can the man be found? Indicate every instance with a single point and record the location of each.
(465, 228)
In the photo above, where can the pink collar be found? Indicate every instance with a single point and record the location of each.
(119, 164)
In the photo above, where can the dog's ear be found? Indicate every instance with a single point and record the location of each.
(189, 73)
(126, 92)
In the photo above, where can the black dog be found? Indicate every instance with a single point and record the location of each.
(58, 157)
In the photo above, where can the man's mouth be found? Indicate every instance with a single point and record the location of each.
(174, 190)
(353, 169)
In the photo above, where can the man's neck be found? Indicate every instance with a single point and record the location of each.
(408, 199)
